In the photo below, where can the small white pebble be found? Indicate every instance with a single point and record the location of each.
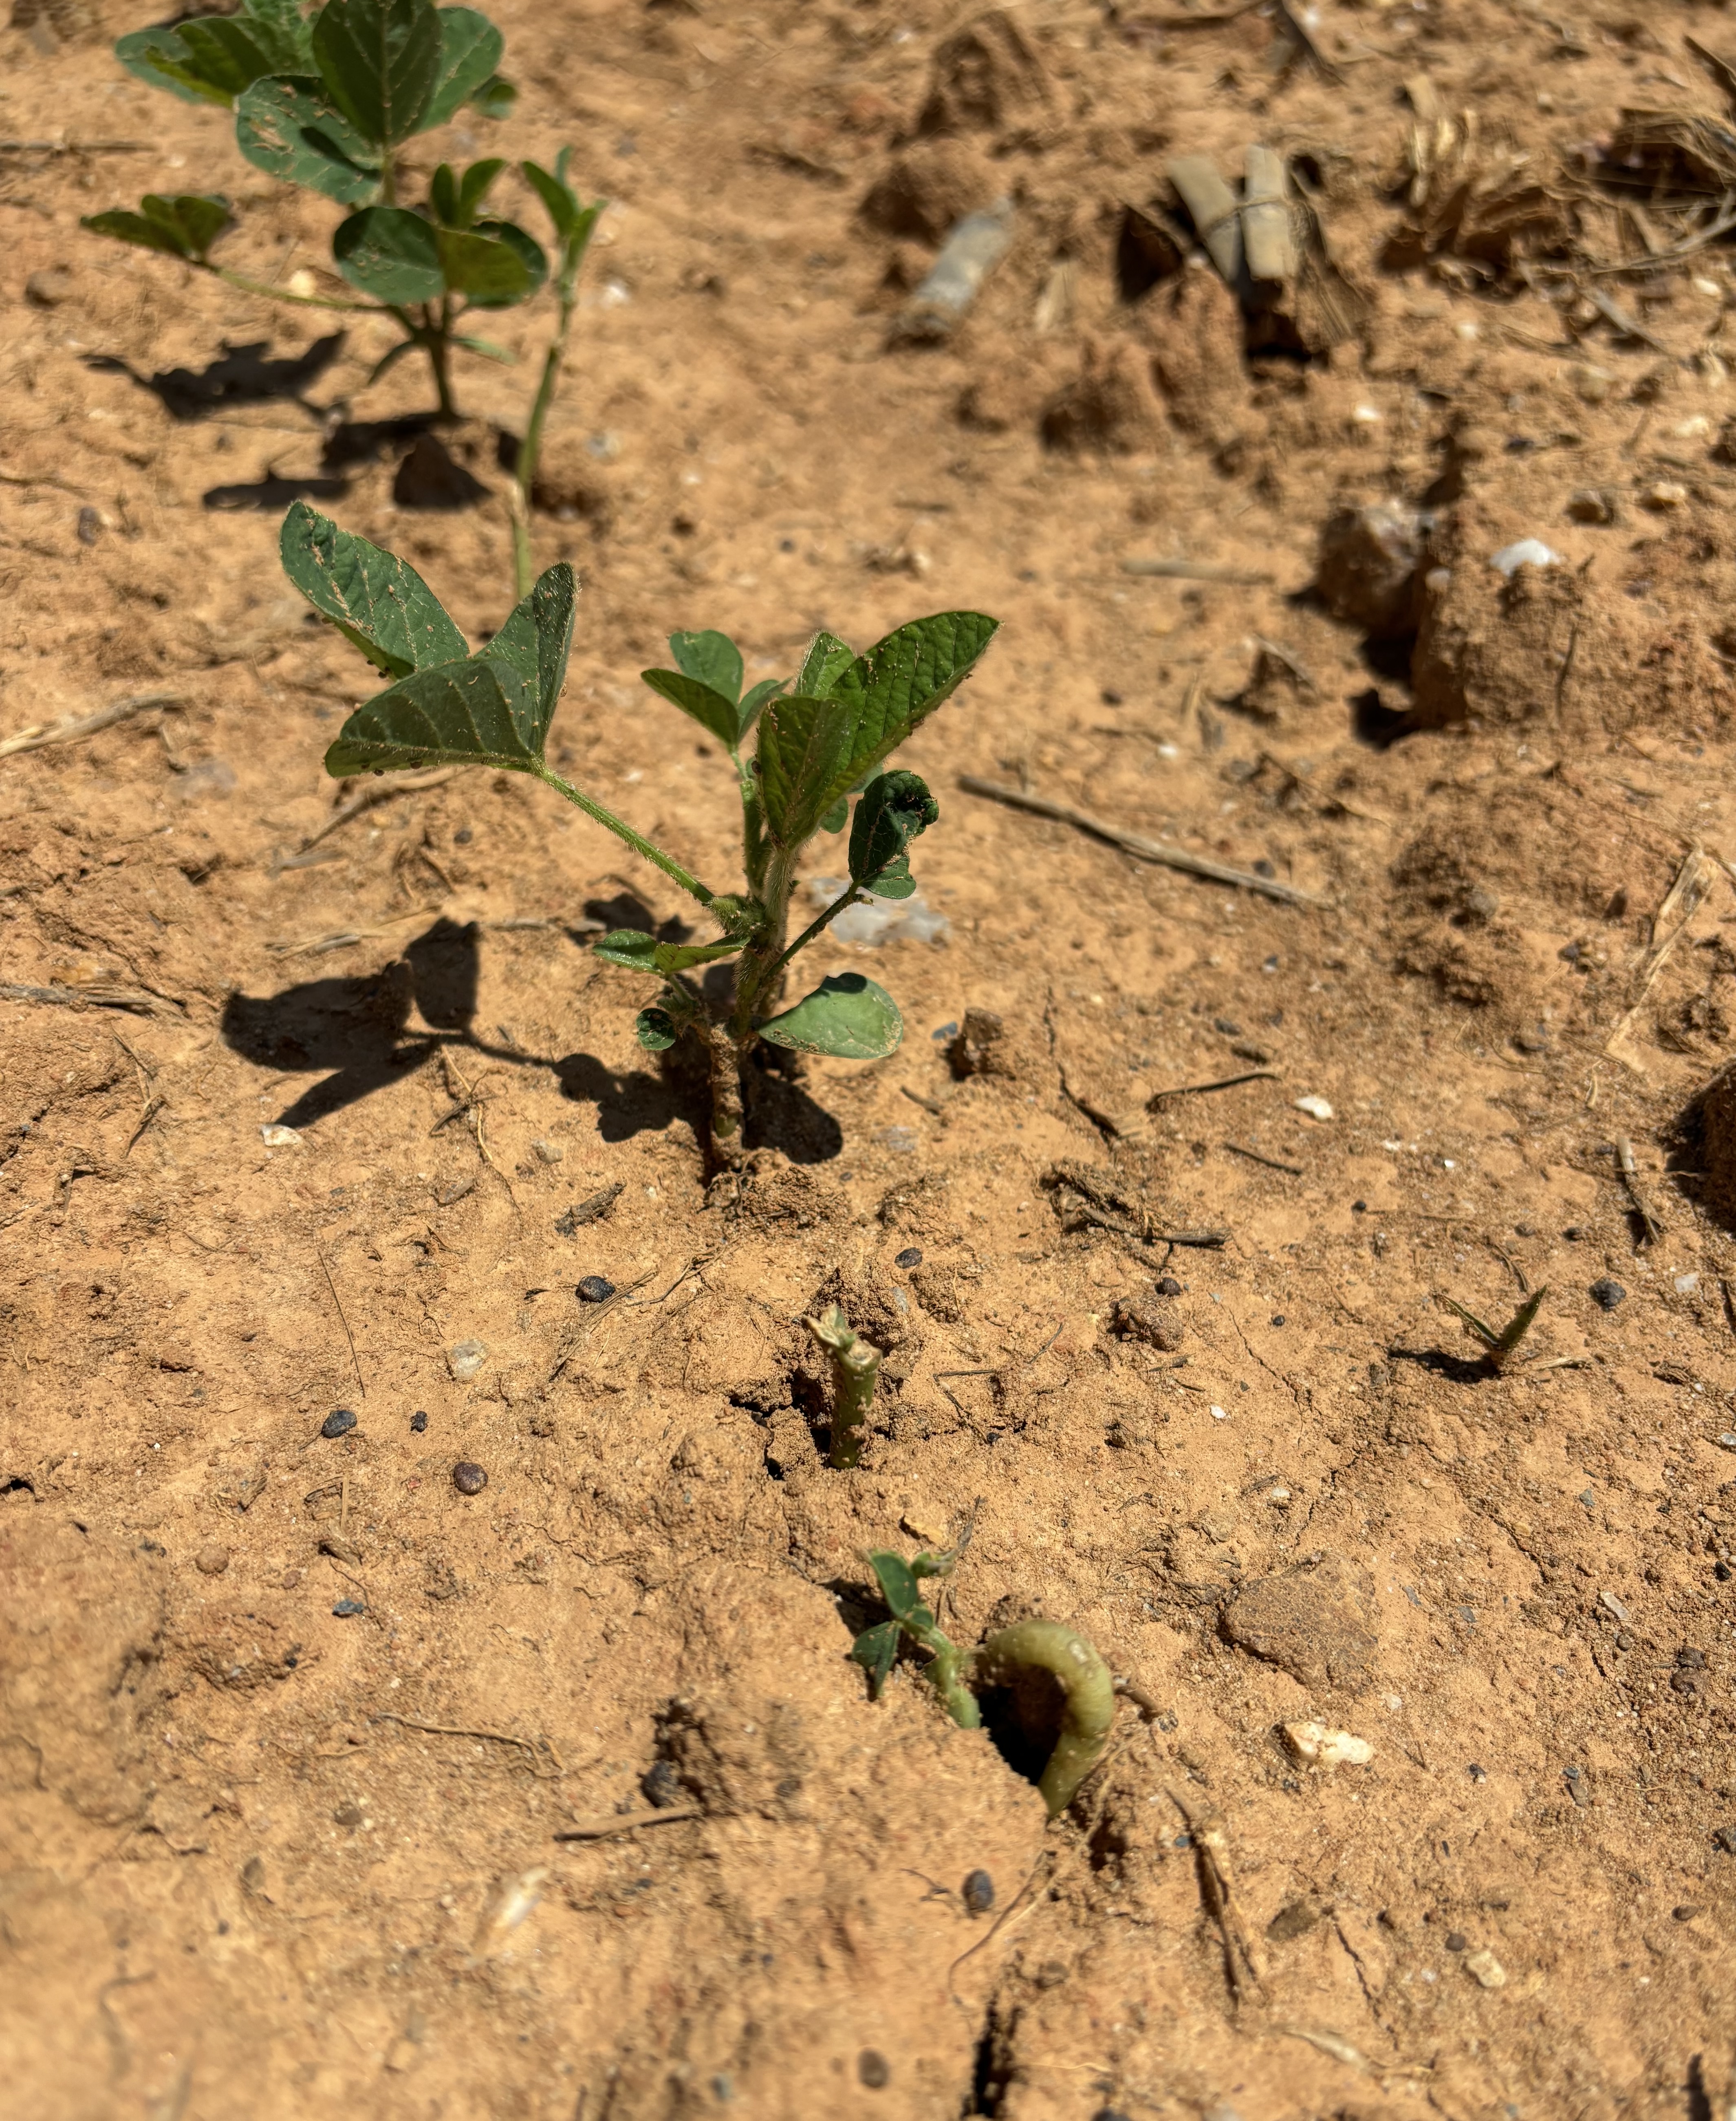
(1485, 1969)
(1367, 416)
(1666, 493)
(280, 1137)
(1218, 1414)
(1316, 1109)
(1687, 1284)
(1522, 552)
(1321, 1746)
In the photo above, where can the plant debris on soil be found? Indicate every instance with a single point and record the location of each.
(1344, 428)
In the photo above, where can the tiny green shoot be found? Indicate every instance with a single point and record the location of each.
(855, 1369)
(1088, 1689)
(327, 101)
(1500, 1347)
(818, 740)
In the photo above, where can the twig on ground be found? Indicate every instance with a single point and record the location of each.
(101, 996)
(1651, 1223)
(1222, 1082)
(71, 727)
(530, 1746)
(1196, 571)
(1271, 1162)
(355, 1360)
(1511, 1265)
(624, 1822)
(1211, 1842)
(1136, 843)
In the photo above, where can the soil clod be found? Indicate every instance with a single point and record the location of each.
(468, 1478)
(977, 1892)
(339, 1422)
(1606, 1294)
(348, 1609)
(595, 1289)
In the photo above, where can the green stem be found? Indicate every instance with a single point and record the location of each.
(851, 896)
(437, 338)
(762, 959)
(530, 450)
(1086, 1683)
(855, 1371)
(304, 301)
(640, 846)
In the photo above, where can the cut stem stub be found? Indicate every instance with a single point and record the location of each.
(855, 1367)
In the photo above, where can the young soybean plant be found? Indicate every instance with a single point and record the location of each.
(1007, 1659)
(327, 101)
(817, 741)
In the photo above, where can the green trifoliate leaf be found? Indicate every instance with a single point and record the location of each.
(893, 809)
(380, 60)
(537, 638)
(478, 712)
(642, 953)
(211, 59)
(655, 1030)
(290, 129)
(470, 50)
(454, 199)
(374, 599)
(846, 1016)
(557, 196)
(755, 698)
(876, 1650)
(393, 255)
(825, 661)
(802, 756)
(495, 265)
(713, 659)
(707, 706)
(185, 227)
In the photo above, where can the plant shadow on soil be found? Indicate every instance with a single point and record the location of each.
(358, 1027)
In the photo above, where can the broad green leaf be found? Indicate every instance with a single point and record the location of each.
(391, 254)
(470, 50)
(901, 680)
(374, 599)
(876, 1650)
(494, 99)
(210, 59)
(897, 1585)
(478, 712)
(838, 817)
(380, 60)
(846, 1016)
(893, 809)
(707, 706)
(713, 659)
(185, 227)
(655, 1030)
(642, 953)
(559, 200)
(443, 196)
(826, 659)
(290, 129)
(282, 32)
(537, 638)
(756, 696)
(495, 265)
(804, 745)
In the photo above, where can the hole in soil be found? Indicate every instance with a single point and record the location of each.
(1373, 722)
(17, 1485)
(1023, 1720)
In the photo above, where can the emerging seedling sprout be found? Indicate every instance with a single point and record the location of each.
(327, 101)
(818, 740)
(855, 1369)
(1499, 1349)
(1007, 1659)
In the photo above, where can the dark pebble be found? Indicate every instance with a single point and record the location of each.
(418, 1424)
(1228, 1025)
(978, 1892)
(1110, 696)
(1456, 1940)
(1724, 1837)
(1277, 1317)
(1168, 1286)
(873, 2069)
(469, 1479)
(1606, 1294)
(1477, 1774)
(346, 1608)
(595, 1289)
(1109, 2113)
(1359, 1207)
(910, 1256)
(1684, 1912)
(347, 1814)
(1573, 1233)
(1525, 1229)
(338, 1422)
(661, 1784)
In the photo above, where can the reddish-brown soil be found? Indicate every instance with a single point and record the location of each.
(262, 1859)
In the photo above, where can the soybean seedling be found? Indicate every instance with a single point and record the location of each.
(817, 741)
(1499, 1349)
(856, 1370)
(327, 101)
(1006, 1659)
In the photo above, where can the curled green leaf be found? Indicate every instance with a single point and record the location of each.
(893, 809)
(655, 1029)
(847, 1016)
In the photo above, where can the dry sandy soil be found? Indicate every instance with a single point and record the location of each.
(263, 1854)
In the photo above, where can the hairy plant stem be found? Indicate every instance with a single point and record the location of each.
(850, 897)
(303, 301)
(530, 450)
(437, 340)
(855, 1371)
(622, 831)
(1089, 1695)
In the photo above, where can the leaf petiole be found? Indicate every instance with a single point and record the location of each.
(850, 896)
(251, 286)
(622, 831)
